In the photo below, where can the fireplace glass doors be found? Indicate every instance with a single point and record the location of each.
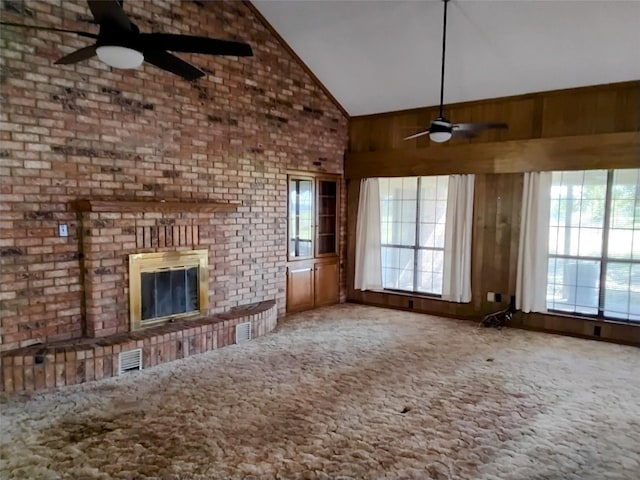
(172, 291)
(166, 286)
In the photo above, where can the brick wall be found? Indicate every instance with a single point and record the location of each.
(87, 131)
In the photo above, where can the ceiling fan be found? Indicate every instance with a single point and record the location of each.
(120, 44)
(441, 129)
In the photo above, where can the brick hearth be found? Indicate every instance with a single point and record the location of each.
(83, 360)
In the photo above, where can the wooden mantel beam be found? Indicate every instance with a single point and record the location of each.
(142, 206)
(606, 150)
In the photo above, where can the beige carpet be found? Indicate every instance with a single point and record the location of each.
(324, 396)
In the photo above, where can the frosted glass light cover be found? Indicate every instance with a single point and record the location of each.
(439, 137)
(120, 57)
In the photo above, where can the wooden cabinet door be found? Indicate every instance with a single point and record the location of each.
(327, 283)
(299, 288)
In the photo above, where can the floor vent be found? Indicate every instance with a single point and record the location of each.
(243, 332)
(131, 360)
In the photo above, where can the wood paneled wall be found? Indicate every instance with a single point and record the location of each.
(587, 111)
(496, 230)
(584, 128)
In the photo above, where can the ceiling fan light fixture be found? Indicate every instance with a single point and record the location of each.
(439, 137)
(120, 57)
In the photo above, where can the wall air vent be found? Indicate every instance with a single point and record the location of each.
(131, 360)
(243, 332)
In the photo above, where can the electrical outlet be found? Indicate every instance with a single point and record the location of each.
(491, 297)
(63, 231)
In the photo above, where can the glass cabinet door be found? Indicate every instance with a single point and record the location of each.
(300, 218)
(327, 223)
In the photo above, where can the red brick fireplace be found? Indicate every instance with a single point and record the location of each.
(112, 230)
(109, 232)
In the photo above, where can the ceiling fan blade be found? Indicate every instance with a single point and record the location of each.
(77, 56)
(194, 44)
(173, 64)
(479, 126)
(416, 135)
(463, 133)
(109, 11)
(51, 29)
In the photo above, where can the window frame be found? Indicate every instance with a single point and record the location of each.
(604, 259)
(416, 248)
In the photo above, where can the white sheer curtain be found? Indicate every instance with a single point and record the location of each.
(456, 280)
(533, 250)
(368, 244)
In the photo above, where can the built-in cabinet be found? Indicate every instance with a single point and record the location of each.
(313, 267)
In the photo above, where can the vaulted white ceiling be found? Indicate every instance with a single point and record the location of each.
(384, 55)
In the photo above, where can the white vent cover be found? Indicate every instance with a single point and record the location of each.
(243, 332)
(131, 360)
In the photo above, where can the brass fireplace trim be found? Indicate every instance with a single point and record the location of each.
(153, 262)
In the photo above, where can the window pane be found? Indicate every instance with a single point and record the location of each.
(441, 212)
(408, 211)
(439, 237)
(590, 242)
(443, 187)
(554, 214)
(577, 219)
(395, 234)
(432, 235)
(398, 204)
(402, 188)
(397, 268)
(622, 213)
(408, 236)
(595, 184)
(425, 271)
(621, 243)
(433, 210)
(576, 222)
(622, 284)
(430, 264)
(427, 234)
(592, 213)
(553, 240)
(573, 285)
(428, 211)
(399, 201)
(300, 218)
(625, 214)
(429, 188)
(568, 240)
(410, 187)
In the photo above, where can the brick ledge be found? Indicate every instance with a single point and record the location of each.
(44, 366)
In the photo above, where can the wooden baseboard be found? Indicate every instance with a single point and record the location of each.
(612, 332)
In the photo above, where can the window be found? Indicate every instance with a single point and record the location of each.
(300, 218)
(412, 227)
(594, 244)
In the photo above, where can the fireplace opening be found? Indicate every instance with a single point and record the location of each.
(166, 286)
(169, 292)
